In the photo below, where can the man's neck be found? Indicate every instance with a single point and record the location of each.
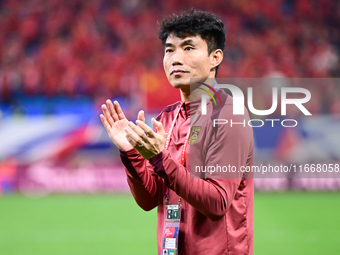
(195, 93)
(185, 94)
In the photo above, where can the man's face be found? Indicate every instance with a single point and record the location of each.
(186, 58)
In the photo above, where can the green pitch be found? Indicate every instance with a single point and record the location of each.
(285, 223)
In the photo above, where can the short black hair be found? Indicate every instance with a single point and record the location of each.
(195, 22)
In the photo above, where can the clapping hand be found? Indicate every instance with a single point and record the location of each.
(126, 135)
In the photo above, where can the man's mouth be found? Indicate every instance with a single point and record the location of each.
(177, 72)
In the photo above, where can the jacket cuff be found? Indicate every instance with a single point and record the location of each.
(129, 153)
(158, 166)
(127, 157)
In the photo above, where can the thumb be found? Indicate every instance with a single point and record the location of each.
(158, 126)
(141, 116)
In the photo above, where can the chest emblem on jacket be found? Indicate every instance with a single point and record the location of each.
(195, 131)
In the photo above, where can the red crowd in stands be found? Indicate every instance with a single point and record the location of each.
(102, 49)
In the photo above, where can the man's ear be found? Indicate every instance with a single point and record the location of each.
(217, 57)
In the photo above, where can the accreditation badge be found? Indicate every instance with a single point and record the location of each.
(171, 230)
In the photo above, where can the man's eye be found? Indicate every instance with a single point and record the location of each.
(168, 50)
(188, 48)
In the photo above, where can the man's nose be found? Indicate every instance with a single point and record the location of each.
(177, 58)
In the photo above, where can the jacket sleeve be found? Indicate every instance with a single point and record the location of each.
(212, 196)
(142, 180)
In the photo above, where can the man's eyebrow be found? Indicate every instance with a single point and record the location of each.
(168, 45)
(186, 42)
(189, 41)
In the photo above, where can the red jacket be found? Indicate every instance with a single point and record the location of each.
(217, 210)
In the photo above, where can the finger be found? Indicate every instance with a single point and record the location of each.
(140, 132)
(112, 110)
(141, 116)
(148, 130)
(130, 140)
(107, 115)
(158, 126)
(105, 123)
(136, 138)
(119, 111)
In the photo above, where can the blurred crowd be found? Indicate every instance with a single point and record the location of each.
(100, 49)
